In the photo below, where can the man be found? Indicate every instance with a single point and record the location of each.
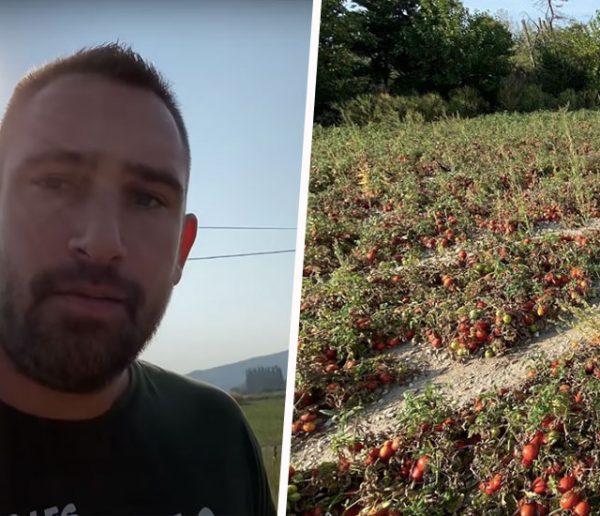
(94, 167)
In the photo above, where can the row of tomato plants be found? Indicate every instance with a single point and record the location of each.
(479, 303)
(384, 195)
(533, 450)
(380, 201)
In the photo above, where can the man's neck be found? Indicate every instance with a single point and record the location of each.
(30, 397)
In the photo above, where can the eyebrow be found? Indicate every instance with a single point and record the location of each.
(144, 172)
(155, 175)
(58, 156)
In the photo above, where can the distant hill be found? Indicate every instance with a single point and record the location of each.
(233, 375)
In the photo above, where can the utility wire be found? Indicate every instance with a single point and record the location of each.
(241, 254)
(244, 227)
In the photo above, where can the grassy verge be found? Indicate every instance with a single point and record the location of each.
(265, 416)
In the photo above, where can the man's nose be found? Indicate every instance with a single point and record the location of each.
(98, 237)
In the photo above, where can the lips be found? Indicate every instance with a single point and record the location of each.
(87, 290)
(91, 301)
(98, 292)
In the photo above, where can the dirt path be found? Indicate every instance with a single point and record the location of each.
(461, 382)
(448, 256)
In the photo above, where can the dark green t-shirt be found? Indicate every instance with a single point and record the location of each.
(169, 446)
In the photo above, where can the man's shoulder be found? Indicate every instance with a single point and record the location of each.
(178, 391)
(202, 424)
(170, 379)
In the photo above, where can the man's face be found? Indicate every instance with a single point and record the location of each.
(92, 229)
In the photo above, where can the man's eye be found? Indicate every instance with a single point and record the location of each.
(146, 200)
(53, 183)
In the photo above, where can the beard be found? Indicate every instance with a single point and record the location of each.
(70, 353)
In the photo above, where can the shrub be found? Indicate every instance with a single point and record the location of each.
(533, 98)
(368, 108)
(590, 98)
(431, 105)
(570, 99)
(511, 88)
(466, 102)
(384, 108)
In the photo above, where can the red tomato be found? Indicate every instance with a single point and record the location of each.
(538, 486)
(555, 469)
(436, 343)
(530, 452)
(372, 254)
(385, 378)
(330, 354)
(528, 509)
(422, 461)
(393, 342)
(356, 447)
(582, 508)
(496, 482)
(417, 474)
(374, 453)
(537, 439)
(309, 427)
(569, 500)
(386, 453)
(566, 483)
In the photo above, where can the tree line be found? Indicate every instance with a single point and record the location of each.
(264, 379)
(431, 58)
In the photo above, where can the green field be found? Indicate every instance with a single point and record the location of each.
(266, 419)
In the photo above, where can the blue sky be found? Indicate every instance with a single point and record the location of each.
(517, 10)
(239, 70)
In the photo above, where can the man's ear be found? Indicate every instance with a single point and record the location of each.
(188, 237)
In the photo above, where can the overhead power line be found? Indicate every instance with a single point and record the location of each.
(242, 254)
(245, 227)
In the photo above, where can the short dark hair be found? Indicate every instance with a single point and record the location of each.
(113, 61)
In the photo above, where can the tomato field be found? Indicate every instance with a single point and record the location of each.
(468, 238)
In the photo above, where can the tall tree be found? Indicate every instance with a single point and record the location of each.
(384, 40)
(434, 46)
(552, 11)
(487, 48)
(340, 71)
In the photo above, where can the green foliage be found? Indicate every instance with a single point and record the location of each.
(533, 98)
(466, 102)
(487, 49)
(387, 109)
(430, 106)
(339, 75)
(584, 99)
(402, 47)
(265, 416)
(434, 47)
(510, 90)
(378, 57)
(384, 41)
(568, 58)
(367, 108)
